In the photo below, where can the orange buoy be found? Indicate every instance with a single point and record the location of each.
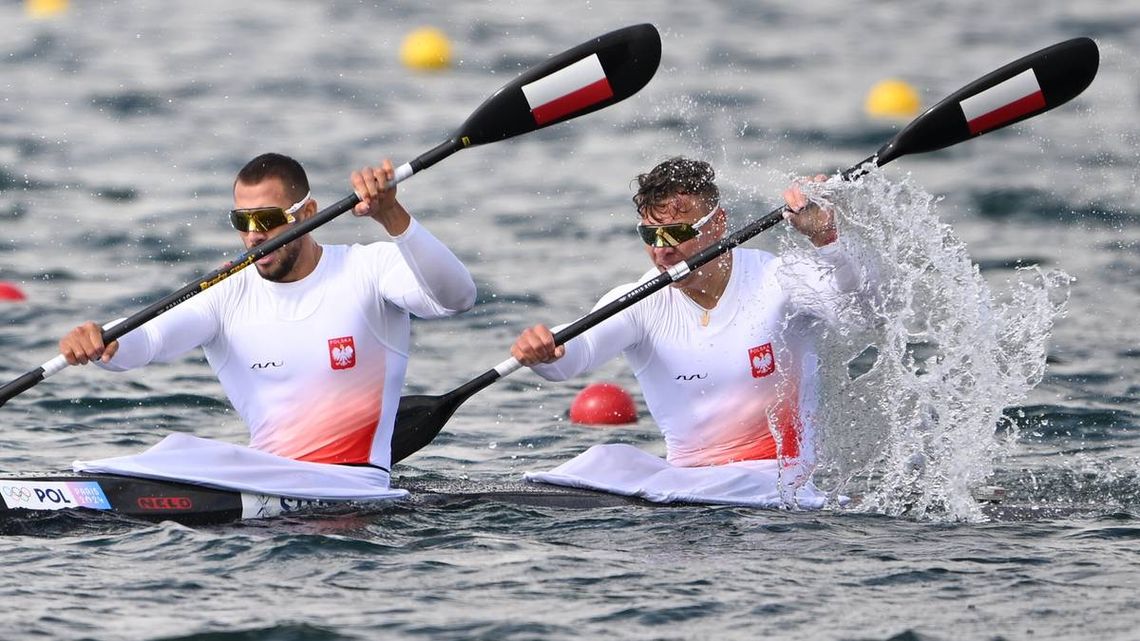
(8, 291)
(603, 404)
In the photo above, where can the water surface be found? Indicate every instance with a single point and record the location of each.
(122, 125)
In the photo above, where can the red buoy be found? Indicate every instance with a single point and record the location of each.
(603, 404)
(8, 291)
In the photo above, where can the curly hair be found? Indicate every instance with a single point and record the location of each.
(677, 175)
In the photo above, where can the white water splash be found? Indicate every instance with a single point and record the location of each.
(925, 358)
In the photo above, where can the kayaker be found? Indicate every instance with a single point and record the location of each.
(725, 357)
(311, 347)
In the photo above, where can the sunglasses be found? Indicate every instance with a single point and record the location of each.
(265, 218)
(673, 234)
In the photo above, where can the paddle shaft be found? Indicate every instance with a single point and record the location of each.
(617, 64)
(188, 291)
(420, 418)
(251, 256)
(1019, 90)
(676, 273)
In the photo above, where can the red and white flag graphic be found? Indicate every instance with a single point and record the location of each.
(342, 352)
(762, 359)
(1004, 102)
(568, 90)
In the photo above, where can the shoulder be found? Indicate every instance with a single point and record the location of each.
(753, 257)
(645, 307)
(625, 288)
(231, 287)
(616, 293)
(369, 265)
(755, 263)
(371, 253)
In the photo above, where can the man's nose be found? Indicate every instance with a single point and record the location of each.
(254, 238)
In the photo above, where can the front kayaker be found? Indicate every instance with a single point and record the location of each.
(312, 347)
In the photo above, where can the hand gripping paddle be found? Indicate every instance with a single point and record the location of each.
(1022, 89)
(589, 77)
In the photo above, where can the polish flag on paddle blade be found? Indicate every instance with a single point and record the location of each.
(568, 90)
(998, 105)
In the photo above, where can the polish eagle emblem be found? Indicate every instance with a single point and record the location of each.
(342, 352)
(763, 360)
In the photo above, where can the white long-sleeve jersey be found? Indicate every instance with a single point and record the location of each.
(315, 367)
(744, 386)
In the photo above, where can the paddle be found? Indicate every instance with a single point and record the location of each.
(1022, 89)
(589, 77)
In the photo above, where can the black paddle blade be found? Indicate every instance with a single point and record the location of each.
(589, 77)
(1022, 89)
(420, 419)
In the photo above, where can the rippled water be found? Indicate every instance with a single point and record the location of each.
(121, 126)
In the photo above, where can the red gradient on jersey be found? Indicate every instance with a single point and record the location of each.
(760, 428)
(337, 427)
(352, 448)
(764, 445)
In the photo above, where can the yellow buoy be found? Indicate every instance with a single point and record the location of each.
(44, 8)
(426, 48)
(892, 99)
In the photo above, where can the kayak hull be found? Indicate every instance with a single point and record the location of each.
(156, 500)
(139, 498)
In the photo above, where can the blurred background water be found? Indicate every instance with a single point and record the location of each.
(122, 124)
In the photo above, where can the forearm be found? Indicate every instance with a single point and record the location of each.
(574, 363)
(162, 339)
(591, 349)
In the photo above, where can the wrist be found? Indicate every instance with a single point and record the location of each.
(395, 220)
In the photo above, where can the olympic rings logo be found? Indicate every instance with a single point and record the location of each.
(17, 493)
